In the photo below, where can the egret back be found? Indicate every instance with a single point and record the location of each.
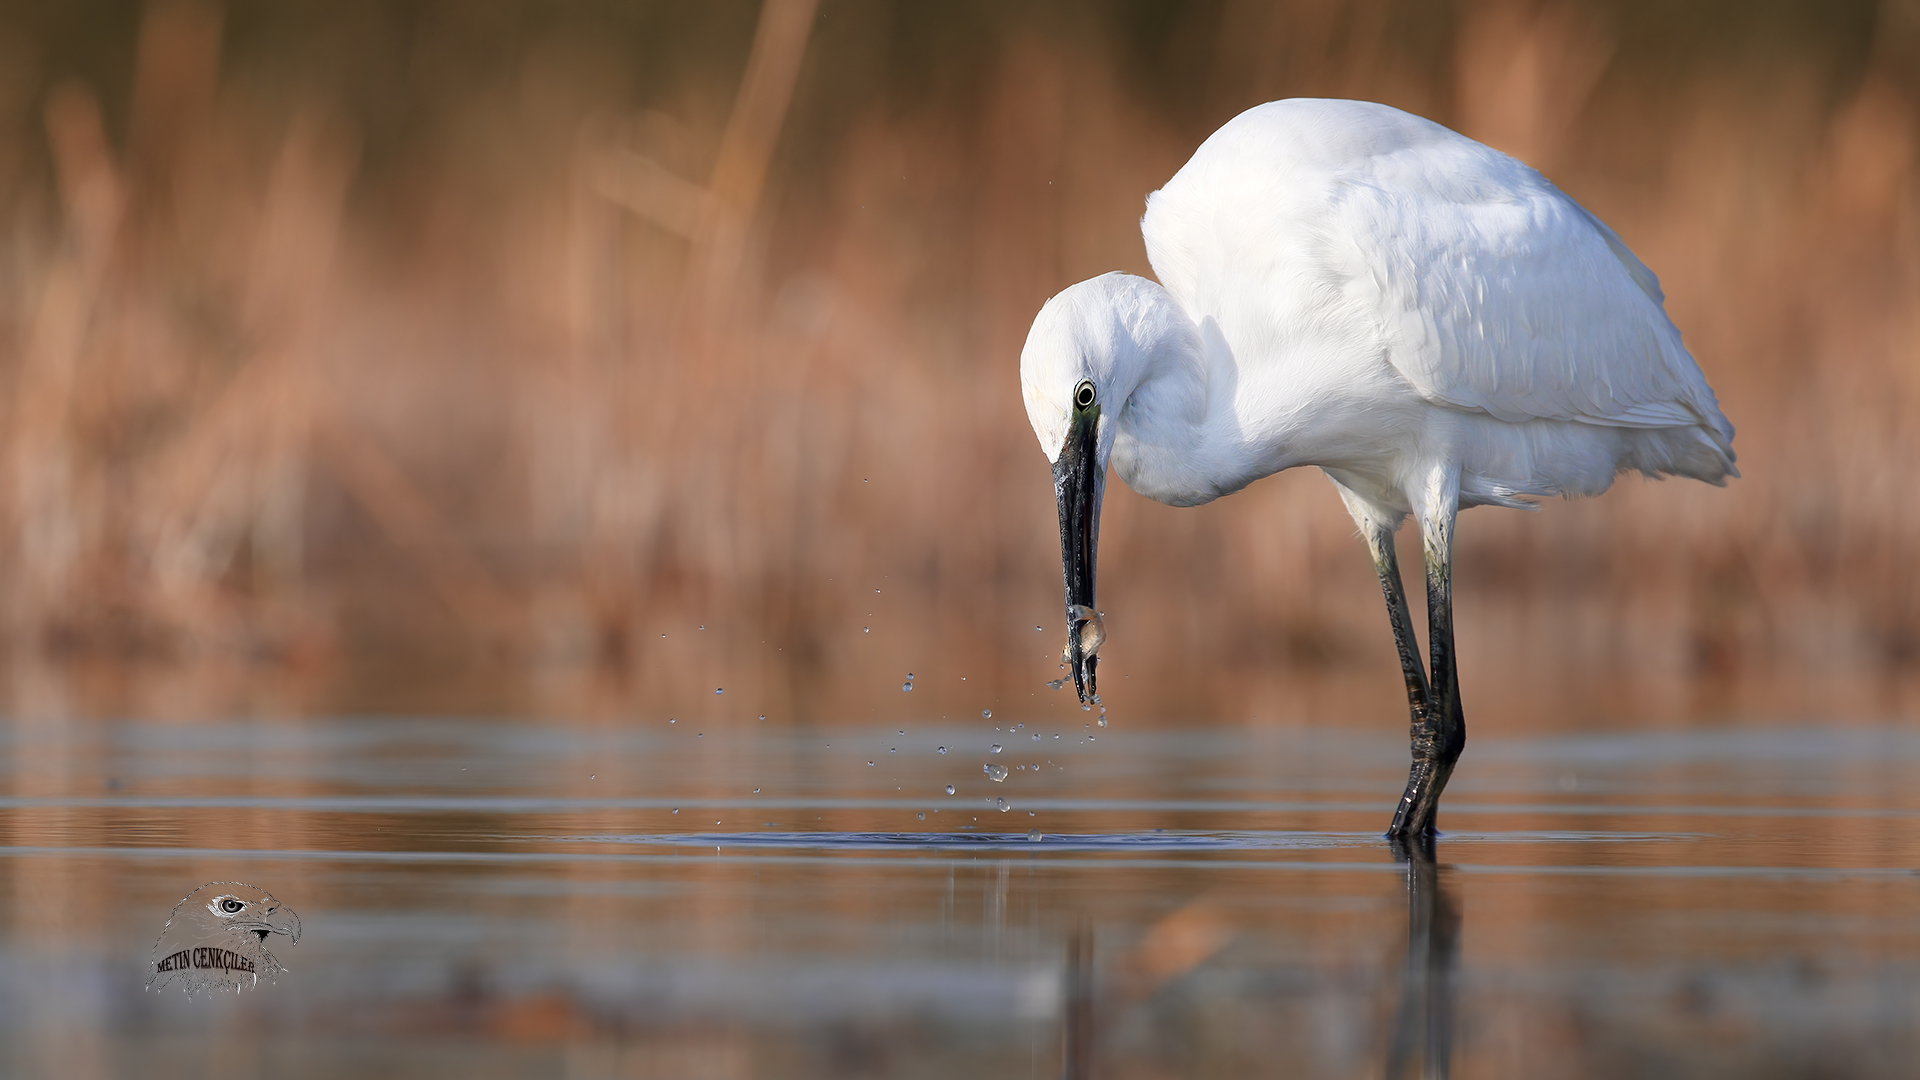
(1345, 232)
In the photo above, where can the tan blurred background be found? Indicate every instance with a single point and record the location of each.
(579, 358)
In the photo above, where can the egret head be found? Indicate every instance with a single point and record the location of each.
(1076, 372)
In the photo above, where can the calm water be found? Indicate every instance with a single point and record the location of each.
(483, 899)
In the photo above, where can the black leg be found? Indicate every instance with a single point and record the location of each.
(1441, 733)
(1387, 565)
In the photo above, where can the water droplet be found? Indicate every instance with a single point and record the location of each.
(941, 750)
(1036, 628)
(995, 773)
(996, 748)
(1033, 835)
(591, 776)
(719, 689)
(1002, 805)
(670, 720)
(1103, 721)
(921, 816)
(869, 764)
(756, 791)
(903, 731)
(949, 789)
(1055, 684)
(907, 687)
(1036, 736)
(986, 714)
(892, 750)
(676, 809)
(703, 626)
(866, 630)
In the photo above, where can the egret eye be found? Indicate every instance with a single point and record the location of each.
(231, 906)
(1083, 395)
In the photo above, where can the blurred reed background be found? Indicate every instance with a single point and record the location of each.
(579, 358)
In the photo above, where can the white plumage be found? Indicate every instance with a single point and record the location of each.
(1345, 285)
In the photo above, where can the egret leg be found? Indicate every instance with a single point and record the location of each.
(1387, 565)
(1439, 735)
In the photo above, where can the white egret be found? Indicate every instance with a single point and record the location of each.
(1426, 319)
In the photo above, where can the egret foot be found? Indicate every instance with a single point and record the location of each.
(1436, 747)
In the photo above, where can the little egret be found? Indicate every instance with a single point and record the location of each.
(1426, 319)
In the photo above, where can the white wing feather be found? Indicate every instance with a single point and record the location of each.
(1482, 284)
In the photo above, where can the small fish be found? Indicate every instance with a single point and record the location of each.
(1093, 629)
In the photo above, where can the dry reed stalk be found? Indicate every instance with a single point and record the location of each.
(48, 511)
(237, 475)
(740, 169)
(718, 421)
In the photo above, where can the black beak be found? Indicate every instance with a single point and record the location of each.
(1078, 482)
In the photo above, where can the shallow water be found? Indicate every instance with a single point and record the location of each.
(486, 899)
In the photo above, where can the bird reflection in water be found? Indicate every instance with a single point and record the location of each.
(1422, 1043)
(1076, 1054)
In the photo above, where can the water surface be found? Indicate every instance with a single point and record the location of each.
(495, 899)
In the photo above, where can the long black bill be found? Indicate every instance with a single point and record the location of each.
(1077, 486)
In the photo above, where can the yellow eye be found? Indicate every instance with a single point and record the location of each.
(1083, 394)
